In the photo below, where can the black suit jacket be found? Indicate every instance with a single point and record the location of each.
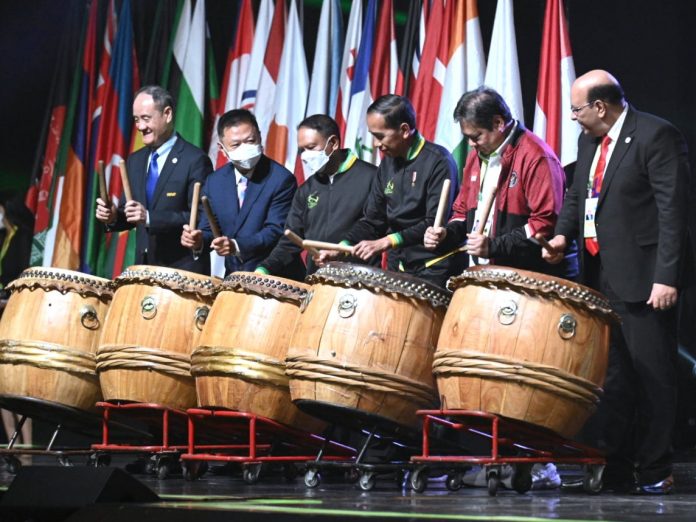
(641, 215)
(160, 242)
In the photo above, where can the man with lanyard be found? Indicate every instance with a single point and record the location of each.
(162, 175)
(526, 181)
(331, 199)
(628, 205)
(250, 198)
(405, 195)
(523, 176)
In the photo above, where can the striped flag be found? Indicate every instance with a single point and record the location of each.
(556, 74)
(350, 55)
(258, 50)
(291, 97)
(464, 64)
(235, 75)
(503, 71)
(189, 59)
(323, 91)
(410, 48)
(265, 100)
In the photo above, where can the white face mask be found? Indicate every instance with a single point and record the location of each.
(246, 156)
(314, 160)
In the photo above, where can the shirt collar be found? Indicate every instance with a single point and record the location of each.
(167, 146)
(495, 156)
(416, 147)
(618, 125)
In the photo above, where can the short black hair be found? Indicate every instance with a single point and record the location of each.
(480, 106)
(323, 124)
(235, 117)
(395, 110)
(161, 96)
(610, 93)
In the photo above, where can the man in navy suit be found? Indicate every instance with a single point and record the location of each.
(250, 197)
(161, 175)
(628, 208)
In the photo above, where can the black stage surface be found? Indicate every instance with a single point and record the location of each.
(216, 496)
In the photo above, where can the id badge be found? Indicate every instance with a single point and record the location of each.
(590, 210)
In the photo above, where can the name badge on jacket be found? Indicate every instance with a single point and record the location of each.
(590, 210)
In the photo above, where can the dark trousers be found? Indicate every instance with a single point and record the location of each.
(635, 419)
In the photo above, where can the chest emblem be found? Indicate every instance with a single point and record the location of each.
(513, 180)
(312, 200)
(389, 189)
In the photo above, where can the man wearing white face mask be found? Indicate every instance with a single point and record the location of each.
(330, 200)
(250, 198)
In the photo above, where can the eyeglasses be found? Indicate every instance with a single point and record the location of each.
(576, 110)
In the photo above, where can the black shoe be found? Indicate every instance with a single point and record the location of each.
(663, 487)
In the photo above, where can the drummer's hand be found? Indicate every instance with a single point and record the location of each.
(477, 244)
(366, 249)
(434, 236)
(135, 212)
(191, 238)
(559, 244)
(105, 213)
(223, 246)
(662, 297)
(325, 256)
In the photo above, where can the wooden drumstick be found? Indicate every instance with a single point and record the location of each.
(103, 193)
(124, 179)
(194, 205)
(323, 245)
(442, 205)
(211, 217)
(486, 211)
(298, 241)
(544, 243)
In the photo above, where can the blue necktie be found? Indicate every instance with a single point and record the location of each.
(152, 175)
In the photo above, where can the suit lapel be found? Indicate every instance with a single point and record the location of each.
(140, 170)
(586, 153)
(622, 145)
(169, 167)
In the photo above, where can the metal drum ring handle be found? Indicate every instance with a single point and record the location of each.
(89, 318)
(566, 326)
(201, 316)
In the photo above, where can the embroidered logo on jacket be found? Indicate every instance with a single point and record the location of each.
(312, 200)
(513, 179)
(389, 189)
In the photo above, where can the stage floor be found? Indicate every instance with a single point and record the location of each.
(227, 497)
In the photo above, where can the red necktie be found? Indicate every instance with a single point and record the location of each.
(591, 244)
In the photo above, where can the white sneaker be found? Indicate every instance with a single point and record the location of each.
(545, 476)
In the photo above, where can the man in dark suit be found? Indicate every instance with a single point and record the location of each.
(161, 175)
(628, 207)
(250, 197)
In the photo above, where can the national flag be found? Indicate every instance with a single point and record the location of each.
(189, 59)
(503, 71)
(258, 50)
(58, 137)
(213, 93)
(323, 90)
(431, 72)
(464, 64)
(556, 74)
(266, 94)
(350, 55)
(160, 48)
(68, 242)
(235, 74)
(410, 48)
(291, 97)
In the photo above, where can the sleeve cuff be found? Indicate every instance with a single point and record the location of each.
(261, 270)
(396, 240)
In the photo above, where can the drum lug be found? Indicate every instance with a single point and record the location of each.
(347, 304)
(89, 318)
(566, 326)
(507, 313)
(201, 316)
(148, 307)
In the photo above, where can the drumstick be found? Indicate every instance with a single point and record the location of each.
(486, 211)
(194, 205)
(309, 243)
(103, 193)
(544, 243)
(211, 217)
(124, 179)
(444, 197)
(298, 241)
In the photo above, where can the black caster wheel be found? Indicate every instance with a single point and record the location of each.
(163, 470)
(367, 481)
(311, 478)
(419, 480)
(250, 473)
(592, 481)
(522, 479)
(454, 482)
(13, 465)
(493, 483)
(194, 470)
(65, 461)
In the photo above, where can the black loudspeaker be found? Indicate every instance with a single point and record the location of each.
(41, 493)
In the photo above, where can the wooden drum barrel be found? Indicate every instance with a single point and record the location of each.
(240, 361)
(48, 336)
(525, 346)
(363, 347)
(155, 320)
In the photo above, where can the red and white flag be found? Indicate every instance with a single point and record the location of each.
(266, 93)
(350, 56)
(258, 51)
(556, 74)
